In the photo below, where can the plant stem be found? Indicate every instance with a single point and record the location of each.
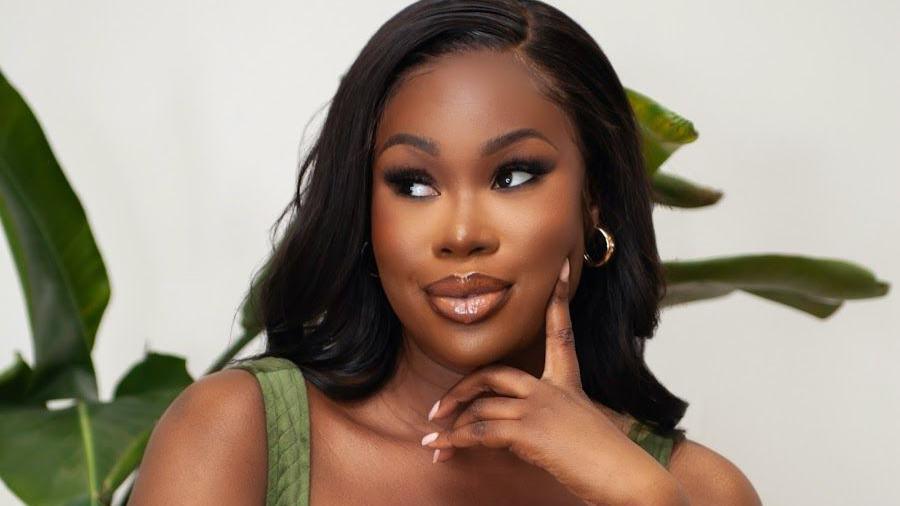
(231, 351)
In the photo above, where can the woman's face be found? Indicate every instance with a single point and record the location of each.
(472, 210)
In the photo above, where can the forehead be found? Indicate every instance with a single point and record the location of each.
(461, 99)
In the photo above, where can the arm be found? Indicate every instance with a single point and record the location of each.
(209, 447)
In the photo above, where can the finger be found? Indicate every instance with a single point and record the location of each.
(487, 433)
(498, 379)
(485, 408)
(560, 360)
(491, 408)
(443, 455)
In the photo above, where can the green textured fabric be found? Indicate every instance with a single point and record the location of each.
(287, 426)
(287, 429)
(660, 447)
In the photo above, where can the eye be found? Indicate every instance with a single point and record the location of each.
(509, 178)
(416, 183)
(410, 182)
(530, 170)
(420, 190)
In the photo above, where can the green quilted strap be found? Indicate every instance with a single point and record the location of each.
(287, 429)
(659, 447)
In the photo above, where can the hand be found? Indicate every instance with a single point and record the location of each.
(549, 422)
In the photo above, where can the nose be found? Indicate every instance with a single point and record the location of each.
(466, 231)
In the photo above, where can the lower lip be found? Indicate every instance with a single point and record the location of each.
(470, 309)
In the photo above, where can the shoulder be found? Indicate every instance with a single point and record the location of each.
(209, 446)
(709, 478)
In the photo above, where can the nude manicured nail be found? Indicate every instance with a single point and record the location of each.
(434, 409)
(429, 438)
(435, 457)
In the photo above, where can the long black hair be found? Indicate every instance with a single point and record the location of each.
(321, 308)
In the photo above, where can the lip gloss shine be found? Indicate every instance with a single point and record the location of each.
(469, 309)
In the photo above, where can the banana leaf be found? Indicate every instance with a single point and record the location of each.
(61, 272)
(81, 454)
(662, 131)
(14, 382)
(817, 286)
(669, 190)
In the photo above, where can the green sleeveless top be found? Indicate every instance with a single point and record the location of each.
(288, 436)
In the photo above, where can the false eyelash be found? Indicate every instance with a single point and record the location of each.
(535, 166)
(401, 176)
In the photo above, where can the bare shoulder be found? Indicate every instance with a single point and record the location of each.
(708, 478)
(209, 447)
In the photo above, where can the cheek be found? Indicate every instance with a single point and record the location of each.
(541, 239)
(543, 229)
(397, 237)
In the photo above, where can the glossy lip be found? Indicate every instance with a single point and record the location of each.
(468, 298)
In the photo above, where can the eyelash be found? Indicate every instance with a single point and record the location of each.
(402, 177)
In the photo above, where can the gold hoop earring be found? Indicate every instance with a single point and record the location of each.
(610, 248)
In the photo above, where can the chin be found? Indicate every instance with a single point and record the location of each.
(472, 346)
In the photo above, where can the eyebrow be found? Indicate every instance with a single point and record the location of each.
(490, 147)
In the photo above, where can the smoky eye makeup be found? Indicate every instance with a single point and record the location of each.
(404, 179)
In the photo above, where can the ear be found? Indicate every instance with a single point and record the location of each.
(590, 213)
(590, 210)
(595, 215)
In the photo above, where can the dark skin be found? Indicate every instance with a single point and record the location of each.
(532, 436)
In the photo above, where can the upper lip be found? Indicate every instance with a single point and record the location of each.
(464, 285)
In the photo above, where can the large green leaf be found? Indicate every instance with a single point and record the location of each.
(670, 190)
(662, 131)
(156, 372)
(81, 454)
(60, 269)
(817, 286)
(14, 382)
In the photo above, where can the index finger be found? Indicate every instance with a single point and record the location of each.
(561, 360)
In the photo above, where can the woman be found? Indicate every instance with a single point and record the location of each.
(473, 227)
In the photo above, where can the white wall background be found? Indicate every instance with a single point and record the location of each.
(179, 124)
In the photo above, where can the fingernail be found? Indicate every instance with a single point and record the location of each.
(434, 410)
(429, 438)
(435, 457)
(564, 276)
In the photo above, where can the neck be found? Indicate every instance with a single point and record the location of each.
(400, 408)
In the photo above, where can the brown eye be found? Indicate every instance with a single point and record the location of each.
(510, 179)
(521, 171)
